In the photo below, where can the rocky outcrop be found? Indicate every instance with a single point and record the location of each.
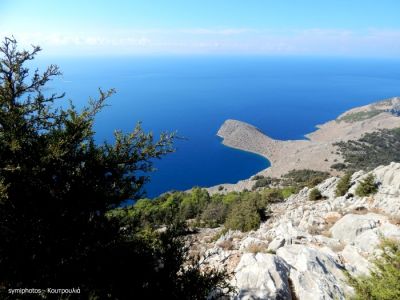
(314, 274)
(262, 276)
(312, 243)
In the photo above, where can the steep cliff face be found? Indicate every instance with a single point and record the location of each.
(318, 152)
(303, 250)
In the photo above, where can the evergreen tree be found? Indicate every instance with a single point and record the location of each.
(56, 186)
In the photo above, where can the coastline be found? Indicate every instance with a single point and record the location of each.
(317, 151)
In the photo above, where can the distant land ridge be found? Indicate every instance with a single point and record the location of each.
(317, 152)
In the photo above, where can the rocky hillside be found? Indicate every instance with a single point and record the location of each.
(303, 249)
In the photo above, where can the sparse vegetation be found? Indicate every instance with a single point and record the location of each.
(371, 150)
(360, 116)
(302, 178)
(383, 283)
(367, 187)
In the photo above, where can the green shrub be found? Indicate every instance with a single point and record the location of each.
(214, 214)
(244, 215)
(271, 196)
(314, 195)
(338, 166)
(257, 177)
(262, 182)
(288, 191)
(303, 178)
(384, 281)
(367, 186)
(343, 185)
(360, 115)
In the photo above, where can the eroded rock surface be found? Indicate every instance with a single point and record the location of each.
(302, 250)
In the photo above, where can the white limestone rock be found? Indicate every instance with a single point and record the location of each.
(355, 263)
(351, 225)
(262, 276)
(315, 274)
(276, 243)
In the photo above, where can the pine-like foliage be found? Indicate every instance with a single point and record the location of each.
(56, 185)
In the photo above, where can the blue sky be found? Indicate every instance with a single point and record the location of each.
(251, 27)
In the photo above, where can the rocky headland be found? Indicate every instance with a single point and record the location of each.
(317, 151)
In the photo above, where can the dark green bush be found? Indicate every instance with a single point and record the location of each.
(338, 166)
(343, 185)
(367, 187)
(271, 196)
(262, 182)
(302, 178)
(314, 195)
(214, 214)
(246, 214)
(257, 177)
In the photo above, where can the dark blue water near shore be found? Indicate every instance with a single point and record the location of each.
(285, 97)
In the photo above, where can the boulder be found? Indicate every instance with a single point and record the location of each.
(350, 226)
(276, 244)
(355, 263)
(314, 274)
(262, 276)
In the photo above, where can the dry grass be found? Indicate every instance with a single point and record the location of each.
(395, 220)
(314, 230)
(339, 247)
(226, 245)
(326, 233)
(255, 248)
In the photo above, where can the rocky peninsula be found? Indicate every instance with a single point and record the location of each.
(317, 151)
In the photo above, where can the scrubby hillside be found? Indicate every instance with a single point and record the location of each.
(313, 249)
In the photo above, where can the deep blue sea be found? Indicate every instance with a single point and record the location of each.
(284, 97)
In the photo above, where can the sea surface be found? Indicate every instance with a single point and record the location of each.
(285, 97)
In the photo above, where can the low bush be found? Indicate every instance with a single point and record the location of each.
(288, 191)
(303, 178)
(343, 185)
(338, 166)
(384, 281)
(245, 215)
(214, 214)
(314, 195)
(367, 187)
(271, 196)
(262, 182)
(257, 177)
